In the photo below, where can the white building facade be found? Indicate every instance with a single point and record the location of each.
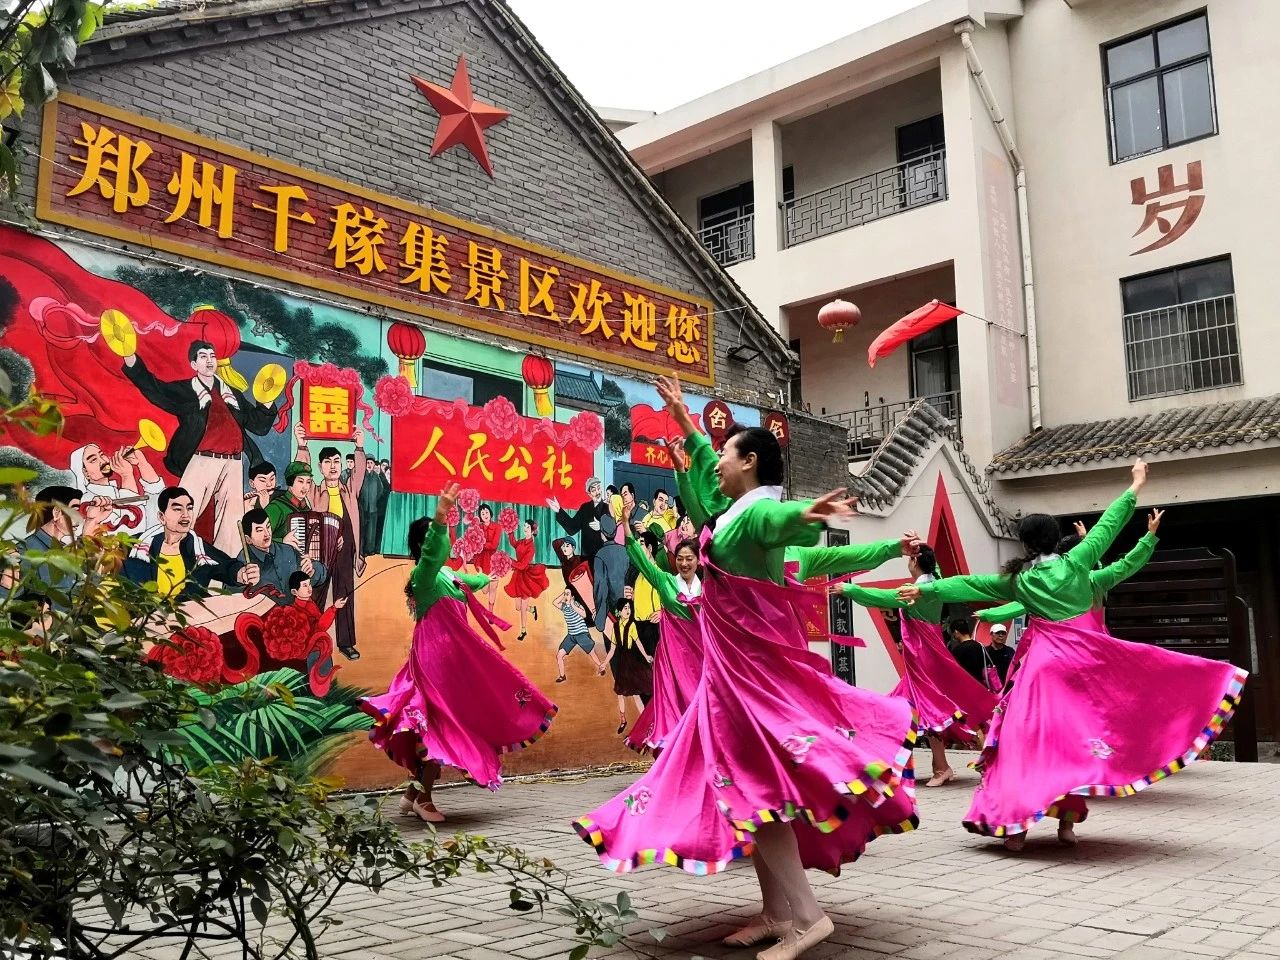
(1088, 181)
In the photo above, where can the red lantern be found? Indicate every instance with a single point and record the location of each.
(539, 375)
(408, 343)
(838, 315)
(223, 334)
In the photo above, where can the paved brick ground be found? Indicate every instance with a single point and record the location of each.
(1190, 868)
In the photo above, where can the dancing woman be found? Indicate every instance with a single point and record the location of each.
(528, 579)
(775, 757)
(1082, 713)
(677, 664)
(457, 701)
(1103, 580)
(950, 703)
(483, 561)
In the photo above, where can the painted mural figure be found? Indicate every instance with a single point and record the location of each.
(126, 478)
(212, 439)
(491, 530)
(662, 518)
(369, 500)
(577, 636)
(384, 498)
(331, 495)
(631, 664)
(292, 501)
(262, 486)
(181, 564)
(277, 561)
(528, 580)
(457, 701)
(54, 526)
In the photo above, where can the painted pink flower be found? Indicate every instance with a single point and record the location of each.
(638, 802)
(508, 519)
(469, 500)
(502, 418)
(193, 654)
(798, 746)
(470, 543)
(586, 430)
(454, 517)
(393, 395)
(500, 565)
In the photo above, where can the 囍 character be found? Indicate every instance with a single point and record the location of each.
(216, 425)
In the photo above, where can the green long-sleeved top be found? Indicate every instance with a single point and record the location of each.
(1056, 589)
(700, 492)
(927, 609)
(668, 585)
(1103, 580)
(431, 581)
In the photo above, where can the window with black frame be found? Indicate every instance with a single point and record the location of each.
(1160, 88)
(1180, 330)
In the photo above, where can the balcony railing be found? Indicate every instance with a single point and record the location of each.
(1182, 348)
(869, 426)
(731, 241)
(904, 186)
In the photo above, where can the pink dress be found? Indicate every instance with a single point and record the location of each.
(1084, 714)
(457, 701)
(770, 735)
(677, 668)
(949, 702)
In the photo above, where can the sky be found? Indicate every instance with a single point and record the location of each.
(658, 54)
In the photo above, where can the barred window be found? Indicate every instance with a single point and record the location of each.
(1180, 330)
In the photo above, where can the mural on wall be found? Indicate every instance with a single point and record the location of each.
(267, 454)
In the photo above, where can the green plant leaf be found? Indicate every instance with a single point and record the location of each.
(579, 952)
(24, 772)
(260, 912)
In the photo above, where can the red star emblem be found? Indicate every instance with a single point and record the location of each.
(463, 118)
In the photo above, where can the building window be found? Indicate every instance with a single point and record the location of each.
(726, 220)
(1180, 330)
(443, 381)
(1160, 88)
(935, 369)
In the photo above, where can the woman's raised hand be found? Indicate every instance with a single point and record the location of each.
(831, 506)
(670, 392)
(1153, 521)
(1139, 475)
(448, 498)
(909, 592)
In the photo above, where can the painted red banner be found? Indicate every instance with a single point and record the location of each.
(432, 448)
(651, 455)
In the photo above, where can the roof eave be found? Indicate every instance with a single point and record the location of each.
(1184, 452)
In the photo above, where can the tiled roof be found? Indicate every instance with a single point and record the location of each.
(1170, 431)
(885, 476)
(574, 388)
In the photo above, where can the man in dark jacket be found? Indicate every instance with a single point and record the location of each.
(212, 439)
(969, 653)
(277, 562)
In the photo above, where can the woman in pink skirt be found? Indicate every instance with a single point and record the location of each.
(952, 706)
(457, 701)
(1082, 713)
(775, 757)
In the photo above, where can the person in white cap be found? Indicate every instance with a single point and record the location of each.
(1000, 653)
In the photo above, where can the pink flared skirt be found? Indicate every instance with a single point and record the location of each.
(457, 701)
(948, 701)
(1084, 714)
(769, 735)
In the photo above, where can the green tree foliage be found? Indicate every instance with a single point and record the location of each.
(115, 834)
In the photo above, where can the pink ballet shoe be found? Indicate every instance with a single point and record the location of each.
(1067, 835)
(938, 779)
(1015, 843)
(427, 812)
(406, 806)
(758, 930)
(797, 942)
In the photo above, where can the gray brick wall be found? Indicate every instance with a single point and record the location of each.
(328, 88)
(818, 459)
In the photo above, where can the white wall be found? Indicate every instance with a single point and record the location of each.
(835, 376)
(858, 137)
(1082, 217)
(685, 185)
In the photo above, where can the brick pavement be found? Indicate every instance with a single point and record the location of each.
(1187, 869)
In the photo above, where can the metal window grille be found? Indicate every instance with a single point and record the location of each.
(730, 241)
(913, 183)
(1183, 348)
(869, 426)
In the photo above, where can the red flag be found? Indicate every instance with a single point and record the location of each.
(915, 323)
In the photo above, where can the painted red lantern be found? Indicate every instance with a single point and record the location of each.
(839, 315)
(539, 375)
(408, 343)
(223, 334)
